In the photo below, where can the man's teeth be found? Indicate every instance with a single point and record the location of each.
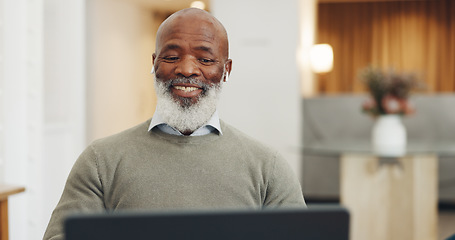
(186, 89)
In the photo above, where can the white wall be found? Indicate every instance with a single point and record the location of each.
(18, 86)
(262, 97)
(43, 105)
(120, 45)
(64, 93)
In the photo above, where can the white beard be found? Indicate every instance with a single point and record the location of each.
(186, 117)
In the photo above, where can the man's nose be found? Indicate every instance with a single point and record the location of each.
(187, 67)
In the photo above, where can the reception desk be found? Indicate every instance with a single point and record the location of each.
(390, 198)
(5, 192)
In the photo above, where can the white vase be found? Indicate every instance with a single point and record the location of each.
(389, 136)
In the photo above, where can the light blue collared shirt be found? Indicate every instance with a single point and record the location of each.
(212, 125)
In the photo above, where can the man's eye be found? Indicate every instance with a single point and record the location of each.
(171, 59)
(206, 60)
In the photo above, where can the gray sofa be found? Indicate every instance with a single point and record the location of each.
(335, 124)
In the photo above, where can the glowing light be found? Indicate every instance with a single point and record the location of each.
(198, 4)
(321, 58)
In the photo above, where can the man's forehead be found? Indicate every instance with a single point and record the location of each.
(201, 31)
(190, 26)
(194, 25)
(199, 45)
(196, 41)
(202, 37)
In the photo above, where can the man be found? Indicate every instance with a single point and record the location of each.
(185, 156)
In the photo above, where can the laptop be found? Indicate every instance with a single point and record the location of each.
(285, 223)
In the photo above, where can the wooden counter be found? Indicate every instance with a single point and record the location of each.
(5, 191)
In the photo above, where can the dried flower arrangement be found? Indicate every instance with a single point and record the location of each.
(389, 91)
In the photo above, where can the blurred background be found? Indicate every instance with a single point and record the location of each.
(72, 71)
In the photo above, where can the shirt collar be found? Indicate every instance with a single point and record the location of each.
(212, 125)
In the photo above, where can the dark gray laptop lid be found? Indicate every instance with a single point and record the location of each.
(311, 223)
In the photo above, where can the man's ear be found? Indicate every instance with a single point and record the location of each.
(153, 58)
(153, 63)
(227, 70)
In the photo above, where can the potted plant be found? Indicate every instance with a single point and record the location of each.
(389, 100)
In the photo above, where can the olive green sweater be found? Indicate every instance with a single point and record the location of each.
(140, 169)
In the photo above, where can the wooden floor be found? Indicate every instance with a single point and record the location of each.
(446, 224)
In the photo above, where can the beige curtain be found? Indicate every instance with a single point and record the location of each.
(413, 35)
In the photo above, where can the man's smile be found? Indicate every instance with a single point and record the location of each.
(186, 91)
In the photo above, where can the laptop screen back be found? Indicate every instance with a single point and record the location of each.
(312, 223)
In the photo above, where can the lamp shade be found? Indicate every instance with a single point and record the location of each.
(321, 56)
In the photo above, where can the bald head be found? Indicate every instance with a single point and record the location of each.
(194, 21)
